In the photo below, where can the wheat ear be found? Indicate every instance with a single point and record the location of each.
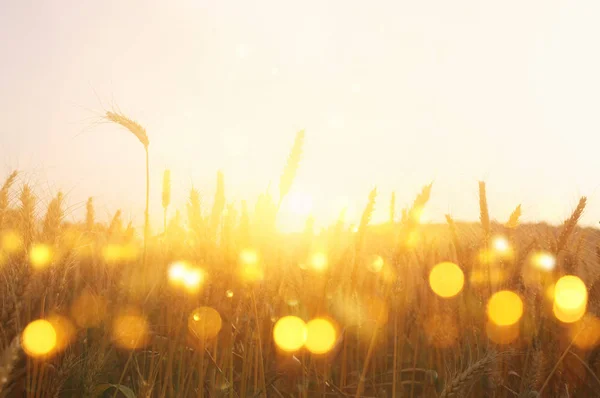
(513, 220)
(569, 225)
(8, 359)
(291, 167)
(466, 378)
(484, 214)
(8, 183)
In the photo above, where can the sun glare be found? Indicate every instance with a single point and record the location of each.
(318, 261)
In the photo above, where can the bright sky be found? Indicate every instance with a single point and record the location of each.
(394, 94)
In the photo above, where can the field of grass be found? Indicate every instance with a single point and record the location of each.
(218, 303)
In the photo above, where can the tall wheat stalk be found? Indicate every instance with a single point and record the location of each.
(291, 167)
(569, 225)
(194, 211)
(53, 219)
(484, 214)
(218, 205)
(8, 183)
(362, 230)
(137, 130)
(513, 220)
(166, 195)
(27, 214)
(90, 215)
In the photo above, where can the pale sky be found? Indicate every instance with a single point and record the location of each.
(393, 94)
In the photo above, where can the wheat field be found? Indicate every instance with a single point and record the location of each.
(216, 302)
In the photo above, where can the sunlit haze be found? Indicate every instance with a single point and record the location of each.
(394, 94)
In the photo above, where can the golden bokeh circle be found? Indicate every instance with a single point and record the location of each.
(290, 333)
(38, 338)
(321, 336)
(505, 308)
(446, 279)
(205, 323)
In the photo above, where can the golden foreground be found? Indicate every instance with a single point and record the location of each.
(222, 305)
(219, 303)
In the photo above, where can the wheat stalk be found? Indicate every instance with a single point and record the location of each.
(8, 359)
(53, 219)
(134, 127)
(484, 215)
(89, 215)
(8, 183)
(454, 233)
(27, 214)
(166, 195)
(291, 167)
(465, 379)
(418, 205)
(569, 225)
(513, 220)
(194, 211)
(362, 229)
(137, 130)
(244, 225)
(116, 226)
(218, 205)
(366, 216)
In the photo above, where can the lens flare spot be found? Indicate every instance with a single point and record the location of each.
(229, 293)
(40, 256)
(446, 279)
(505, 308)
(177, 272)
(130, 330)
(193, 279)
(501, 244)
(204, 323)
(321, 336)
(544, 261)
(318, 261)
(377, 264)
(249, 257)
(11, 242)
(289, 333)
(570, 293)
(39, 338)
